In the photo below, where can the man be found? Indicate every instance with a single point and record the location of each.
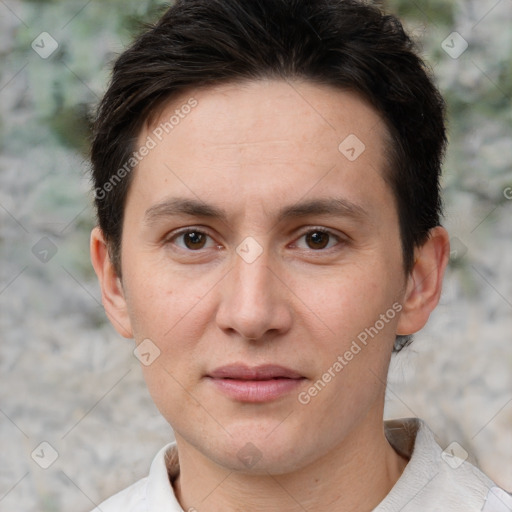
(267, 185)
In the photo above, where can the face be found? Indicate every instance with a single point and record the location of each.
(260, 248)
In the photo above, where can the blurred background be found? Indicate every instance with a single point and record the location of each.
(70, 382)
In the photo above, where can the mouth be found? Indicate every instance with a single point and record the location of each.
(255, 384)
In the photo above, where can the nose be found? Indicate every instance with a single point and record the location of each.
(254, 301)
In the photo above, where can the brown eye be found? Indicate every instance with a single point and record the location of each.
(317, 239)
(194, 240)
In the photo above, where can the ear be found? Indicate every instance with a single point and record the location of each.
(112, 293)
(424, 283)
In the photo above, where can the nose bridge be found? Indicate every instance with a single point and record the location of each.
(251, 286)
(250, 264)
(251, 302)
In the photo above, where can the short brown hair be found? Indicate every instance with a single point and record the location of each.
(346, 44)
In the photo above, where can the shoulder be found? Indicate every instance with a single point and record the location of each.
(131, 499)
(152, 493)
(437, 479)
(498, 500)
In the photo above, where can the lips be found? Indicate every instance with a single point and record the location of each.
(255, 384)
(263, 372)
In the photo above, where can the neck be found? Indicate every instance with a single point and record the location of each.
(356, 475)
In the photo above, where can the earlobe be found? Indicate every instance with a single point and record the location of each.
(424, 283)
(112, 293)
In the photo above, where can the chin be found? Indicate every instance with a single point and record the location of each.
(261, 449)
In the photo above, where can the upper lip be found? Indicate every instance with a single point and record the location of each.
(261, 372)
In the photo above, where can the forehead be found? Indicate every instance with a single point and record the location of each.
(261, 139)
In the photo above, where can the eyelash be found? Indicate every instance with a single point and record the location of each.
(185, 231)
(174, 236)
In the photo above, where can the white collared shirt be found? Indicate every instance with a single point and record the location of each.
(432, 481)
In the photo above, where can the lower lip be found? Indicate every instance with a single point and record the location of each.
(256, 390)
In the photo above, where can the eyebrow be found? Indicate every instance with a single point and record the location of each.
(334, 207)
(182, 206)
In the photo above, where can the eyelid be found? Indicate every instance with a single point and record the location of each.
(322, 229)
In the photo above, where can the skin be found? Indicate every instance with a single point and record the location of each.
(251, 149)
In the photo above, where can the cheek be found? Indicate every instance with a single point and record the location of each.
(349, 298)
(355, 322)
(170, 312)
(160, 302)
(173, 310)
